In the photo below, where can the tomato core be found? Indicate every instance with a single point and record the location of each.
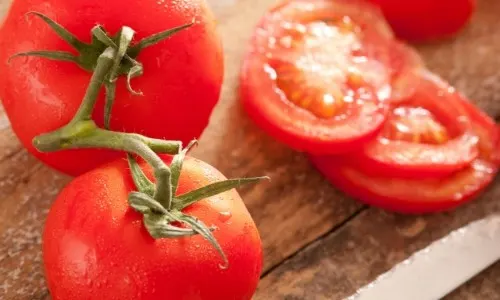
(417, 125)
(322, 68)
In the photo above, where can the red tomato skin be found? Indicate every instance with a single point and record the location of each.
(96, 247)
(181, 82)
(486, 129)
(352, 181)
(427, 20)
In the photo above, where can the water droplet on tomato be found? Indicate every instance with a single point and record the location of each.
(224, 216)
(89, 282)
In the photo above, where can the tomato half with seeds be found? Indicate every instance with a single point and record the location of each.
(426, 134)
(95, 246)
(317, 74)
(422, 195)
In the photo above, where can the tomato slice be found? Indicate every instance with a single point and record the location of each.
(485, 128)
(317, 73)
(425, 195)
(428, 134)
(407, 195)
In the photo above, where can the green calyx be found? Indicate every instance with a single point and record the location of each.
(159, 218)
(125, 63)
(159, 203)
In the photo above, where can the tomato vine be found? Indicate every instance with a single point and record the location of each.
(108, 58)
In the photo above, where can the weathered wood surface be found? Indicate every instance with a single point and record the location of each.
(318, 244)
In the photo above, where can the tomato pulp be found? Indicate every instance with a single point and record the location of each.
(422, 194)
(317, 72)
(426, 134)
(181, 81)
(97, 247)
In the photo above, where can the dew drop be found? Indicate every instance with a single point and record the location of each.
(224, 216)
(89, 282)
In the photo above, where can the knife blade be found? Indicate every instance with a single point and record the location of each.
(435, 271)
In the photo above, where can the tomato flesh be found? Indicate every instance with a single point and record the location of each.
(426, 134)
(420, 195)
(315, 77)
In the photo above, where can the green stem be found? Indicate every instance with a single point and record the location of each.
(82, 132)
(85, 134)
(157, 202)
(104, 65)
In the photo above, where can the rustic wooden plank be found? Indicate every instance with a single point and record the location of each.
(294, 209)
(471, 61)
(484, 286)
(298, 205)
(334, 267)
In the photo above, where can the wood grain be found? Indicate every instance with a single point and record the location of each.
(298, 207)
(291, 211)
(336, 266)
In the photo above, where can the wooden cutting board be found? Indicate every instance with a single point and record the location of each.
(318, 243)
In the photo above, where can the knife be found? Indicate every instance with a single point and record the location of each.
(435, 271)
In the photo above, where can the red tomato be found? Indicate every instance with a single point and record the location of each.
(96, 247)
(181, 81)
(426, 134)
(426, 20)
(422, 195)
(316, 72)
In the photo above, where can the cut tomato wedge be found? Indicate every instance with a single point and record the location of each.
(428, 134)
(317, 74)
(422, 195)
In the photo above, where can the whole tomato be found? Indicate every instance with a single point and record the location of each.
(180, 85)
(427, 20)
(96, 247)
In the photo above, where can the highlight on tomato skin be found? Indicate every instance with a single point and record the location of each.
(316, 74)
(428, 134)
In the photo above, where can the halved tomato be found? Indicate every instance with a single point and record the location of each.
(428, 134)
(317, 74)
(422, 195)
